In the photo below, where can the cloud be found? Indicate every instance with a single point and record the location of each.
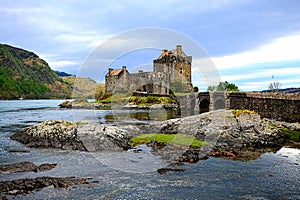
(263, 85)
(241, 35)
(20, 10)
(284, 48)
(62, 64)
(262, 74)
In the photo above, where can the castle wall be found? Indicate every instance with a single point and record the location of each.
(182, 74)
(110, 84)
(123, 83)
(172, 68)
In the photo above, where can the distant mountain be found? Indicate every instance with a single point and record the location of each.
(24, 75)
(63, 73)
(287, 90)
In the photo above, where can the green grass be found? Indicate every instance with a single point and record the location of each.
(105, 101)
(137, 100)
(150, 100)
(291, 135)
(122, 97)
(167, 138)
(178, 94)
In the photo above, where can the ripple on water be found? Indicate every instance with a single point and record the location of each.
(292, 154)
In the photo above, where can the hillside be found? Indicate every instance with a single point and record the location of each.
(24, 74)
(84, 87)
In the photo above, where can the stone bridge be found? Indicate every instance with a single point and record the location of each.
(279, 106)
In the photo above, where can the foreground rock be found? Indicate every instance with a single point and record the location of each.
(228, 132)
(85, 137)
(25, 167)
(54, 133)
(97, 137)
(25, 186)
(65, 104)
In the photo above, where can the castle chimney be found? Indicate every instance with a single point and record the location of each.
(124, 68)
(179, 50)
(164, 51)
(110, 70)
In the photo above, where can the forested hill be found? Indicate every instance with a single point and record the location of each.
(24, 75)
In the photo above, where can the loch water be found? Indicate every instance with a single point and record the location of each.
(274, 175)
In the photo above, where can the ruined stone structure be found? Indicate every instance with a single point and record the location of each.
(171, 71)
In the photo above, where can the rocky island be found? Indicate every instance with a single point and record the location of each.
(225, 133)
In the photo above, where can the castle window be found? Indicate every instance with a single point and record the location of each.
(181, 71)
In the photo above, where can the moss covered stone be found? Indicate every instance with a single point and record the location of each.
(167, 138)
(291, 134)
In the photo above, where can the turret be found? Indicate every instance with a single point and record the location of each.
(179, 50)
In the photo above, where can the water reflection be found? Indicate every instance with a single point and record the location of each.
(137, 116)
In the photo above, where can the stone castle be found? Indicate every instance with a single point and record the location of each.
(171, 71)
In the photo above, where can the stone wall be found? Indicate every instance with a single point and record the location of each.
(189, 104)
(279, 106)
(282, 107)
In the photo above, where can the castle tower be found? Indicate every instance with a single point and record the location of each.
(179, 50)
(177, 65)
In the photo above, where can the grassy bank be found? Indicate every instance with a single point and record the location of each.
(291, 135)
(136, 100)
(167, 138)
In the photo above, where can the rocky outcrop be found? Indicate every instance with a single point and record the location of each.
(82, 104)
(96, 137)
(227, 131)
(85, 137)
(53, 133)
(65, 104)
(25, 167)
(25, 186)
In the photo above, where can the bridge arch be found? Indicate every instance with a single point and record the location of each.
(204, 106)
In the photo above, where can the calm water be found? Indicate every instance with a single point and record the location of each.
(271, 176)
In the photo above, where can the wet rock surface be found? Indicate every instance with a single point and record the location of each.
(177, 154)
(66, 135)
(65, 104)
(25, 167)
(18, 151)
(228, 133)
(25, 186)
(168, 170)
(97, 137)
(53, 133)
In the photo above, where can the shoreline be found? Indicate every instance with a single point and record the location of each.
(118, 137)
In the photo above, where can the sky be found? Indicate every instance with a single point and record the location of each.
(249, 42)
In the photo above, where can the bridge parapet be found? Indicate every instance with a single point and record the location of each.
(279, 106)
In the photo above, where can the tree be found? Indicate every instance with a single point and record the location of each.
(274, 86)
(223, 86)
(231, 87)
